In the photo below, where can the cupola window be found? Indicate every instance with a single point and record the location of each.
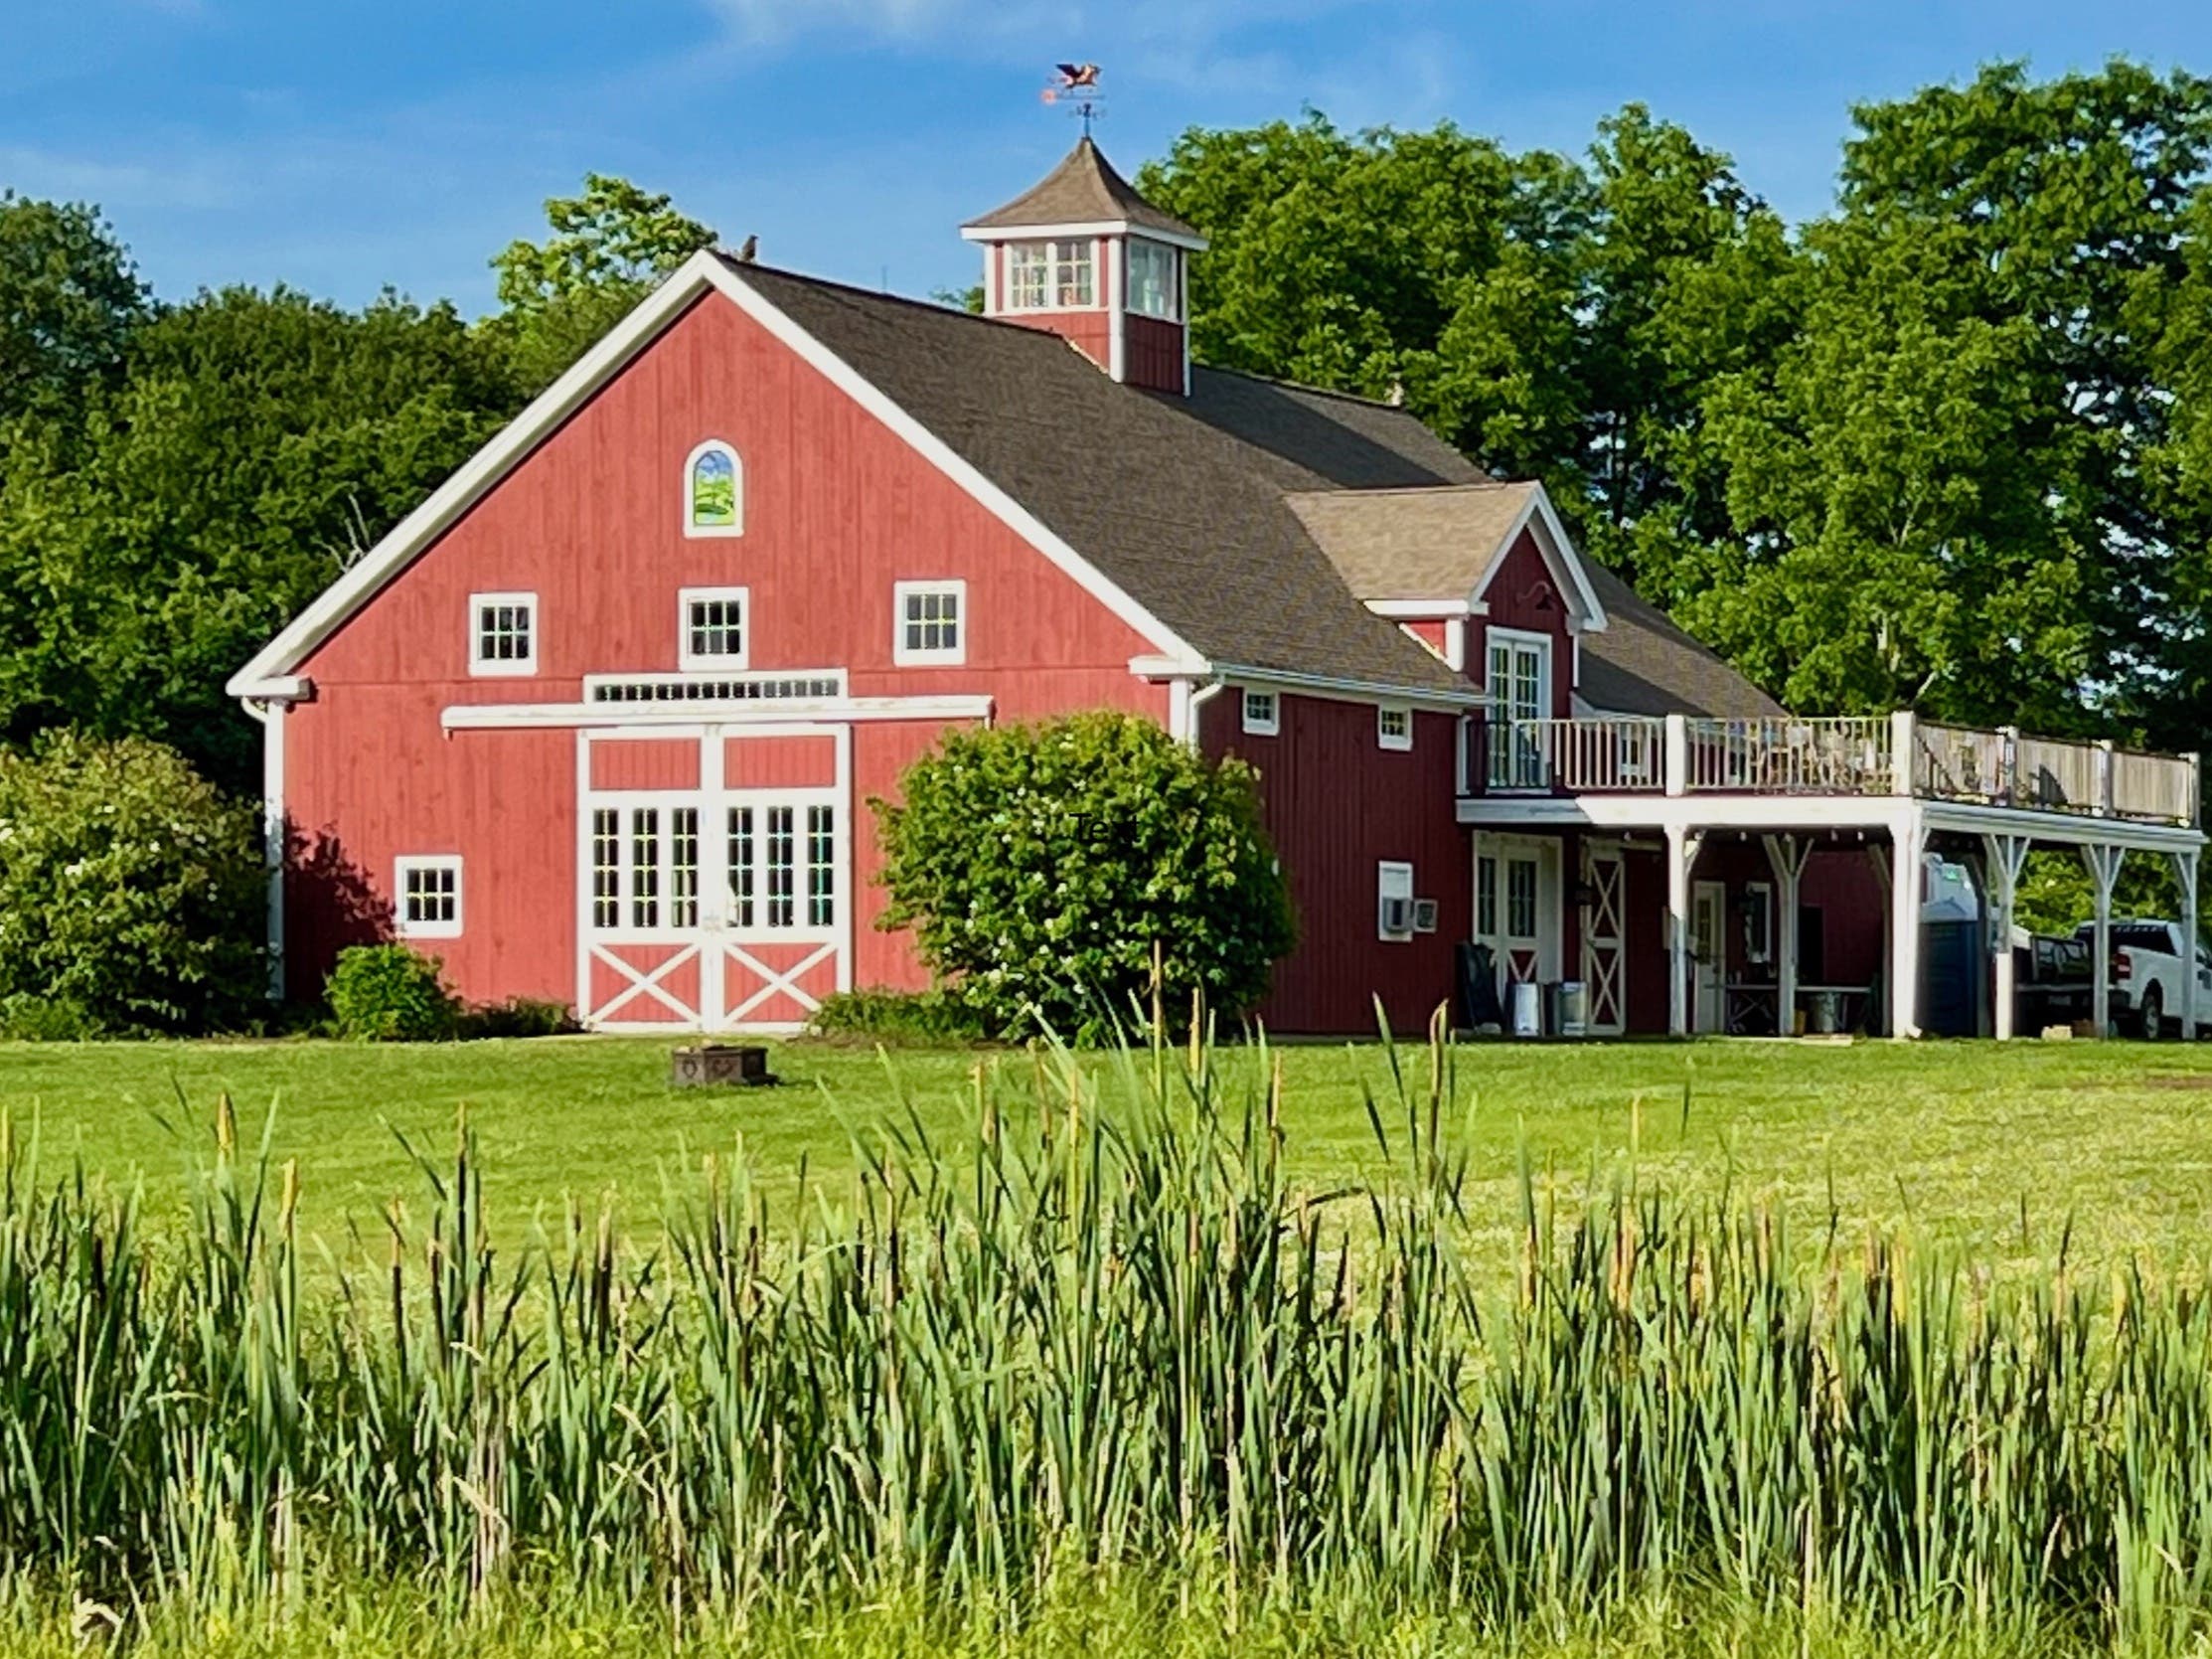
(1050, 276)
(1151, 280)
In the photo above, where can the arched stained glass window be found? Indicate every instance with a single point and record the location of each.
(713, 491)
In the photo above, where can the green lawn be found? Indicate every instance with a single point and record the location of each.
(1953, 1138)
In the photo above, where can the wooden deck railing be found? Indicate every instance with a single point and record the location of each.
(1838, 756)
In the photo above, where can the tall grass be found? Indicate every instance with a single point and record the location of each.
(1101, 1336)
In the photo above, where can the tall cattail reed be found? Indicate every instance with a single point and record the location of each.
(1099, 1331)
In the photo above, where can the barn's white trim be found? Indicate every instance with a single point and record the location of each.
(1172, 669)
(1003, 234)
(1559, 552)
(681, 718)
(271, 672)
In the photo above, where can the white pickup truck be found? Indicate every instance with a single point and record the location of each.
(2146, 976)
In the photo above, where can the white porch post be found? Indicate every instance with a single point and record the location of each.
(1786, 853)
(1682, 844)
(2185, 872)
(2104, 871)
(2002, 858)
(1910, 837)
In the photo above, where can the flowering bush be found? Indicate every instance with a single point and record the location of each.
(131, 889)
(1039, 866)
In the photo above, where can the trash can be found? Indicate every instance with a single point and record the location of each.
(1525, 1001)
(1824, 1012)
(1574, 1008)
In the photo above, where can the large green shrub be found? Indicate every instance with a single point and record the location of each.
(1039, 866)
(386, 993)
(130, 891)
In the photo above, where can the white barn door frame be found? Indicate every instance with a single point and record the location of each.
(707, 906)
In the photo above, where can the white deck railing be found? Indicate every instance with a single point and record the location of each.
(1606, 754)
(1841, 755)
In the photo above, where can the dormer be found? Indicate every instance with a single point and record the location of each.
(1083, 256)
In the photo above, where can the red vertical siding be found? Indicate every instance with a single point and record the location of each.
(1337, 804)
(835, 510)
(769, 761)
(1152, 353)
(1090, 332)
(646, 764)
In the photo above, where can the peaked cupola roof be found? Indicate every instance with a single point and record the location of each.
(1083, 189)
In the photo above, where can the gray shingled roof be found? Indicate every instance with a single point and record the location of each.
(1436, 541)
(1642, 664)
(1083, 189)
(1180, 502)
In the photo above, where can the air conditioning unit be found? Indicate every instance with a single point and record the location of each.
(1424, 916)
(1397, 916)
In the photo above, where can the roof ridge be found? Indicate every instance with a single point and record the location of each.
(1304, 386)
(1482, 484)
(934, 307)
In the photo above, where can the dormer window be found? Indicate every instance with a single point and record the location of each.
(713, 491)
(1152, 282)
(1050, 276)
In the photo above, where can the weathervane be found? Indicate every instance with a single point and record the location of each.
(1078, 84)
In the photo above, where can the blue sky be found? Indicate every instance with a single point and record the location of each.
(340, 145)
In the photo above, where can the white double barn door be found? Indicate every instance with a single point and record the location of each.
(715, 889)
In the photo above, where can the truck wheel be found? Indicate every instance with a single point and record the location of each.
(2153, 1015)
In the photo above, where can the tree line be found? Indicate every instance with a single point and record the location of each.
(1947, 446)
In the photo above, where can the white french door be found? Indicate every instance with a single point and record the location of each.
(711, 909)
(1520, 688)
(1517, 906)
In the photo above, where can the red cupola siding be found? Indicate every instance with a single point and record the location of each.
(1082, 254)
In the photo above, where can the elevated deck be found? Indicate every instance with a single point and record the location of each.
(1840, 769)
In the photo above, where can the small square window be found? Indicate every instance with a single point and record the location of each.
(427, 898)
(1394, 727)
(712, 621)
(931, 623)
(503, 633)
(1262, 713)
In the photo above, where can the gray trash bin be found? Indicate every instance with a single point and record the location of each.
(1574, 1008)
(1524, 1008)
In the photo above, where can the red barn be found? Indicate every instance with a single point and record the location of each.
(599, 722)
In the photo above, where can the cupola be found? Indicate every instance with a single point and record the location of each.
(1081, 254)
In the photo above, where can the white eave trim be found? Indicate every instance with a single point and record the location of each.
(1560, 554)
(1308, 684)
(1419, 610)
(702, 273)
(797, 710)
(1086, 228)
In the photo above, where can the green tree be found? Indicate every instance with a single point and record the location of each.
(608, 248)
(1039, 866)
(256, 444)
(69, 303)
(131, 889)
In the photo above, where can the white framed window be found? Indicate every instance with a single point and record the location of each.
(711, 621)
(1393, 900)
(1393, 726)
(1759, 922)
(426, 897)
(714, 490)
(1151, 280)
(1263, 713)
(930, 620)
(501, 633)
(1051, 276)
